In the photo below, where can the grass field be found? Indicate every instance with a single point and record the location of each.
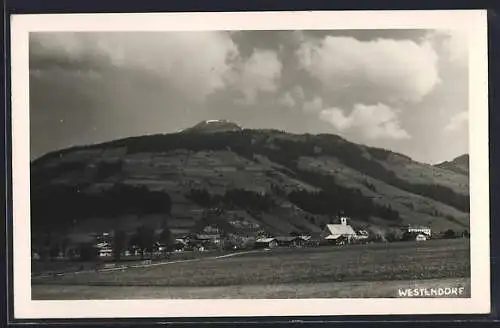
(366, 270)
(64, 266)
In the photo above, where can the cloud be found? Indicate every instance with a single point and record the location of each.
(292, 97)
(314, 105)
(372, 121)
(336, 117)
(196, 63)
(287, 100)
(259, 73)
(454, 44)
(457, 122)
(297, 92)
(381, 70)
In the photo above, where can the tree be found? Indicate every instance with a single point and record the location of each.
(392, 236)
(145, 239)
(167, 239)
(45, 246)
(277, 190)
(88, 252)
(262, 234)
(119, 243)
(200, 196)
(248, 200)
(375, 237)
(65, 243)
(449, 234)
(54, 250)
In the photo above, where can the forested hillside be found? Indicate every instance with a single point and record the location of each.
(280, 181)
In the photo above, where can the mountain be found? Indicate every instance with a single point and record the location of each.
(213, 126)
(459, 164)
(260, 179)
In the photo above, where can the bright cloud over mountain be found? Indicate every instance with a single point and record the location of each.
(405, 90)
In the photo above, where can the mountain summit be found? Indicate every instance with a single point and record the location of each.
(212, 126)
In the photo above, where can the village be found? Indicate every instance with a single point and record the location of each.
(217, 237)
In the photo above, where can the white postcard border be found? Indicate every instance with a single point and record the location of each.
(22, 25)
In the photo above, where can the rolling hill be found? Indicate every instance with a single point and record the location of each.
(261, 179)
(459, 164)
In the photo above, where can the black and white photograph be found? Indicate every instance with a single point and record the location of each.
(251, 163)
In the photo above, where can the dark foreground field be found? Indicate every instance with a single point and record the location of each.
(376, 270)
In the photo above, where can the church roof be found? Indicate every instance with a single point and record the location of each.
(337, 230)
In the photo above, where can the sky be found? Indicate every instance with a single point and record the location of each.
(403, 90)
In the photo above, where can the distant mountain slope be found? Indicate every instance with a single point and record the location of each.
(459, 165)
(280, 182)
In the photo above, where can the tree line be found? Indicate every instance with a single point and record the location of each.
(240, 198)
(144, 239)
(57, 206)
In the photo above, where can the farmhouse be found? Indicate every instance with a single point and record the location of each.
(159, 248)
(211, 233)
(339, 233)
(104, 249)
(418, 230)
(292, 241)
(419, 233)
(362, 234)
(208, 234)
(268, 242)
(179, 245)
(421, 237)
(362, 237)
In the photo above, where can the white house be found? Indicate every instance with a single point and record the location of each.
(362, 235)
(421, 237)
(339, 232)
(104, 249)
(419, 230)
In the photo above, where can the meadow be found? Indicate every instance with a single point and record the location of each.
(309, 271)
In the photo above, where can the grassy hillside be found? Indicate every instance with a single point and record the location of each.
(459, 165)
(281, 182)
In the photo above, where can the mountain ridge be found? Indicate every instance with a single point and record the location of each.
(302, 173)
(459, 164)
(192, 129)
